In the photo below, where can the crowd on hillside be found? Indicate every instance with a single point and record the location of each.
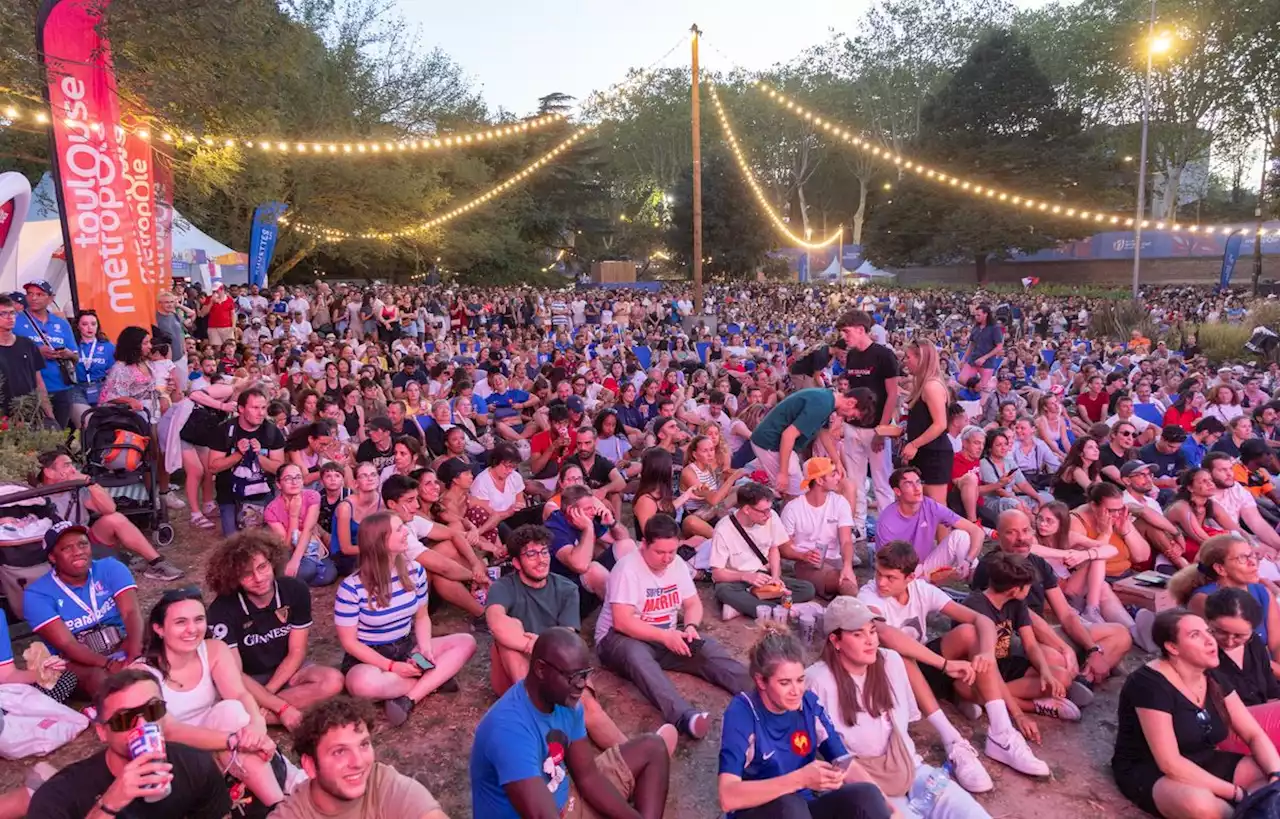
(548, 462)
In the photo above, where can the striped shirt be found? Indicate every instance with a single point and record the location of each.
(354, 606)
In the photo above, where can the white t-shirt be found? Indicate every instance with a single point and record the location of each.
(911, 617)
(868, 736)
(657, 598)
(1138, 423)
(298, 304)
(817, 527)
(1234, 500)
(419, 528)
(730, 551)
(499, 501)
(722, 420)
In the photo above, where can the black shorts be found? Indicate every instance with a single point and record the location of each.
(398, 651)
(1138, 782)
(934, 465)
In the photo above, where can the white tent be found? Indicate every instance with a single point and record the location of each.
(869, 271)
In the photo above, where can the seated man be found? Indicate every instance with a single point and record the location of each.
(531, 758)
(264, 617)
(529, 602)
(1090, 651)
(602, 477)
(85, 610)
(820, 524)
(446, 552)
(112, 782)
(964, 654)
(1239, 504)
(91, 506)
(581, 523)
(335, 744)
(747, 548)
(944, 541)
(1139, 496)
(639, 635)
(1144, 430)
(1167, 459)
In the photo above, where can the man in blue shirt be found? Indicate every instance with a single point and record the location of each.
(531, 756)
(52, 334)
(581, 522)
(1206, 433)
(85, 610)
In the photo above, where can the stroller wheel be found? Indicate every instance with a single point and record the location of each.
(163, 535)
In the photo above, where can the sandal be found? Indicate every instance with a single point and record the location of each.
(200, 521)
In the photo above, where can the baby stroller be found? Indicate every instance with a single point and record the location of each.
(122, 456)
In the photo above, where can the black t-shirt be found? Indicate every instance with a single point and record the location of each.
(247, 480)
(812, 363)
(325, 522)
(598, 475)
(1197, 730)
(870, 368)
(1254, 682)
(1110, 458)
(1045, 579)
(261, 635)
(1011, 617)
(368, 452)
(1165, 466)
(19, 364)
(401, 379)
(198, 789)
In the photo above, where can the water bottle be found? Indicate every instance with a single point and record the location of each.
(924, 795)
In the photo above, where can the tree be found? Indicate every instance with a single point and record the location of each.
(997, 122)
(735, 235)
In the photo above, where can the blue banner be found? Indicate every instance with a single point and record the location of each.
(1156, 244)
(262, 241)
(1229, 256)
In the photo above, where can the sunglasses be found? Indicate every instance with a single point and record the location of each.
(151, 711)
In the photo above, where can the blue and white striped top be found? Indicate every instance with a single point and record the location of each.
(354, 606)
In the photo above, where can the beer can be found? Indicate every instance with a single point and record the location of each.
(481, 594)
(494, 572)
(147, 738)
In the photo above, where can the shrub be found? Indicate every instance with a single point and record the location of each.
(23, 435)
(1222, 342)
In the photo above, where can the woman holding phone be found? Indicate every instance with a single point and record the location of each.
(380, 613)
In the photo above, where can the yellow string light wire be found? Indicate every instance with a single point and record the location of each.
(332, 235)
(313, 147)
(957, 184)
(747, 174)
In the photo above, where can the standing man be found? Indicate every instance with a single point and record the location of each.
(794, 423)
(873, 367)
(170, 323)
(110, 783)
(986, 341)
(20, 363)
(246, 468)
(221, 312)
(531, 758)
(52, 334)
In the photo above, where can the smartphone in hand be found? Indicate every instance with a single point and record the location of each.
(421, 661)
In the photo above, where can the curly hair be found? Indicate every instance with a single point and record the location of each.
(337, 712)
(232, 559)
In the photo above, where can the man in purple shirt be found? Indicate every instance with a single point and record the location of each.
(915, 518)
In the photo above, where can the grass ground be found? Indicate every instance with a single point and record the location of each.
(434, 745)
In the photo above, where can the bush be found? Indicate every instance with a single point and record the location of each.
(1225, 342)
(1117, 319)
(23, 435)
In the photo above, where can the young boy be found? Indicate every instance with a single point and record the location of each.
(1023, 664)
(905, 604)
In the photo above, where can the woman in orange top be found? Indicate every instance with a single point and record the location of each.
(1105, 518)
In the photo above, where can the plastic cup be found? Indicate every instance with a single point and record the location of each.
(807, 626)
(779, 615)
(764, 614)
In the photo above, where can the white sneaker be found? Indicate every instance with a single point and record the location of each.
(174, 502)
(968, 769)
(1141, 631)
(728, 612)
(1057, 708)
(1013, 751)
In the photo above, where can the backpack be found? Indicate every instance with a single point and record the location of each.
(1263, 803)
(127, 451)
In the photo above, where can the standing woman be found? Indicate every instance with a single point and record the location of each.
(350, 513)
(97, 356)
(765, 772)
(130, 382)
(1173, 715)
(926, 445)
(380, 614)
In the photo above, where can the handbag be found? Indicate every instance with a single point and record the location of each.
(35, 724)
(203, 426)
(894, 770)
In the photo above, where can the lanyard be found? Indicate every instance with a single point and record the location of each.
(92, 608)
(88, 361)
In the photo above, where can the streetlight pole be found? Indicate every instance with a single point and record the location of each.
(697, 181)
(1140, 211)
(808, 253)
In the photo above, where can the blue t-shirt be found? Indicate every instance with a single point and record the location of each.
(757, 744)
(58, 331)
(564, 533)
(45, 600)
(515, 741)
(6, 647)
(983, 341)
(506, 400)
(97, 357)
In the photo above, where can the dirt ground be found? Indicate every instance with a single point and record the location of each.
(435, 744)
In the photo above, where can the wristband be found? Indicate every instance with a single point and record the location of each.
(102, 806)
(944, 665)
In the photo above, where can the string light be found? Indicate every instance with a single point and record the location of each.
(322, 147)
(841, 133)
(329, 234)
(747, 174)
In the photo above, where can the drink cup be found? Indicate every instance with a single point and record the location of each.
(148, 738)
(764, 614)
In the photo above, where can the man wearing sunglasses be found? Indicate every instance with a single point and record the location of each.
(109, 782)
(1120, 447)
(86, 610)
(531, 756)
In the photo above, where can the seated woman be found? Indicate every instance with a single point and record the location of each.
(1052, 426)
(1001, 485)
(1229, 562)
(1106, 519)
(1081, 469)
(1173, 714)
(458, 508)
(865, 691)
(613, 445)
(765, 773)
(309, 446)
(1243, 662)
(1194, 512)
(293, 515)
(654, 494)
(712, 484)
(348, 515)
(207, 705)
(406, 457)
(380, 614)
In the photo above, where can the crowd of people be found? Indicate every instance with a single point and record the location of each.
(1007, 480)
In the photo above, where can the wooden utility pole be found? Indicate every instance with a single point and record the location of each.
(697, 184)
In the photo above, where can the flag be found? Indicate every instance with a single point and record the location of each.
(1029, 281)
(135, 159)
(262, 240)
(162, 167)
(1229, 256)
(104, 258)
